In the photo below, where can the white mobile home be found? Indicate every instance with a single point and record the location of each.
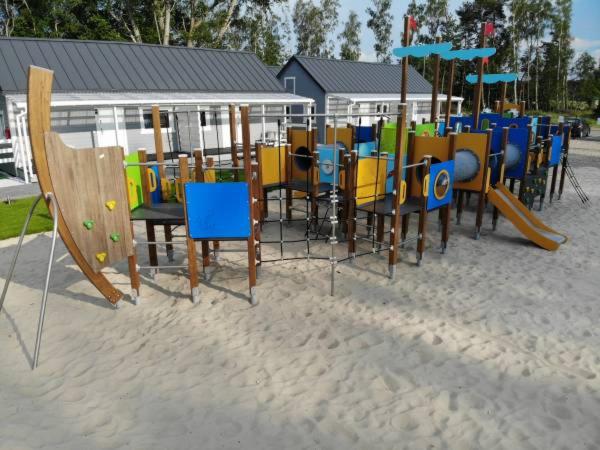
(103, 94)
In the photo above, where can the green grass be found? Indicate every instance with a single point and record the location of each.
(12, 217)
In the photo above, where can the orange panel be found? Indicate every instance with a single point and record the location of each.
(343, 135)
(477, 143)
(437, 147)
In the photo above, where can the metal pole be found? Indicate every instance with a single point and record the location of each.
(333, 201)
(49, 197)
(17, 250)
(38, 339)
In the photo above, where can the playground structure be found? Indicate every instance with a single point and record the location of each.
(359, 189)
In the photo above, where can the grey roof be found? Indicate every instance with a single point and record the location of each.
(99, 66)
(341, 76)
(274, 69)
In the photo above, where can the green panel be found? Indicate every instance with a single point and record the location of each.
(388, 138)
(135, 173)
(425, 129)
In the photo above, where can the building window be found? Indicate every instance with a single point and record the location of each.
(289, 84)
(4, 128)
(383, 108)
(147, 120)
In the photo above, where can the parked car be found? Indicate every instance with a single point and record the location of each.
(579, 127)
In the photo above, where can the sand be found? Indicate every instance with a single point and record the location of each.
(494, 345)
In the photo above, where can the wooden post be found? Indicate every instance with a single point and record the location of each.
(479, 87)
(423, 213)
(397, 191)
(502, 98)
(505, 132)
(449, 90)
(410, 160)
(134, 275)
(162, 175)
(158, 147)
(522, 109)
(184, 173)
(405, 43)
(233, 135)
(446, 209)
(257, 210)
(199, 176)
(436, 81)
(484, 185)
(147, 196)
(248, 176)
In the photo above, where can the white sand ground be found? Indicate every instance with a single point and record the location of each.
(494, 345)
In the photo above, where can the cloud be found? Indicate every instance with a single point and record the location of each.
(592, 46)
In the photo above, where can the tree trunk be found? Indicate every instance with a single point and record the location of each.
(167, 23)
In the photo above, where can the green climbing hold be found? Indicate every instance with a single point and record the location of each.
(115, 237)
(89, 224)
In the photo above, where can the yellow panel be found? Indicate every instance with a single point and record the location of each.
(366, 178)
(343, 135)
(477, 143)
(270, 159)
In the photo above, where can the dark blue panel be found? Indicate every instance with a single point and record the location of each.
(218, 210)
(364, 134)
(520, 138)
(441, 128)
(463, 121)
(556, 150)
(156, 196)
(544, 126)
(444, 174)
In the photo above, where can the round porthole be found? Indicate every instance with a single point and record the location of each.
(327, 166)
(301, 163)
(441, 184)
(425, 134)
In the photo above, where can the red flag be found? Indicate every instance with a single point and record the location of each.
(489, 29)
(412, 23)
(486, 61)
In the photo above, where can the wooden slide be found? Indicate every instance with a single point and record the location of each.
(524, 220)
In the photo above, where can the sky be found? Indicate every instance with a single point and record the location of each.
(585, 24)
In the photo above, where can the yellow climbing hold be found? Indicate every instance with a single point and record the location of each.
(101, 256)
(111, 204)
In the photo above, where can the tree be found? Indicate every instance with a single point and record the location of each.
(350, 36)
(380, 22)
(311, 23)
(588, 84)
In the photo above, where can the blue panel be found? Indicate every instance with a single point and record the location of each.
(218, 210)
(441, 128)
(469, 54)
(556, 150)
(432, 201)
(420, 51)
(365, 148)
(534, 124)
(156, 196)
(326, 167)
(493, 78)
(364, 134)
(518, 137)
(492, 118)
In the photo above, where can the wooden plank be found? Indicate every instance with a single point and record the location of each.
(397, 180)
(184, 173)
(96, 175)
